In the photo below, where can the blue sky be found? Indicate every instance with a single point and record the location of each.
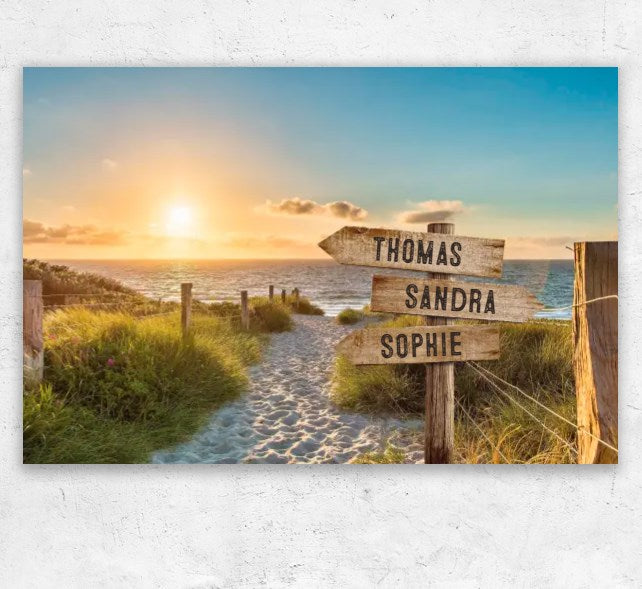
(529, 154)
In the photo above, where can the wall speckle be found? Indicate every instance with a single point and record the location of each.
(251, 526)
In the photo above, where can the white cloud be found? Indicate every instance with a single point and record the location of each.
(297, 206)
(431, 211)
(109, 165)
(26, 172)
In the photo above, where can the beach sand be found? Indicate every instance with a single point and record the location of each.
(286, 416)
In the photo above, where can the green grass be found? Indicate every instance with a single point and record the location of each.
(116, 387)
(535, 356)
(269, 316)
(304, 307)
(349, 317)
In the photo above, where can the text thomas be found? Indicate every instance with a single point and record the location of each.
(410, 251)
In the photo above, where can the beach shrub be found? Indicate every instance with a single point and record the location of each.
(535, 356)
(116, 387)
(269, 317)
(63, 286)
(58, 281)
(349, 317)
(305, 306)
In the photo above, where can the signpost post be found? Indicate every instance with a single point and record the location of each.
(438, 344)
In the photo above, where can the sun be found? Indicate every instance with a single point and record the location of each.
(179, 221)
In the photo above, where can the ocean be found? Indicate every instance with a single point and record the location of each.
(330, 285)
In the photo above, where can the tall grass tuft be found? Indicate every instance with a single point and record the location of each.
(269, 316)
(304, 307)
(349, 317)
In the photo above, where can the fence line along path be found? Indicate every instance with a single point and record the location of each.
(34, 308)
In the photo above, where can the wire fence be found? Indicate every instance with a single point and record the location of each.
(499, 385)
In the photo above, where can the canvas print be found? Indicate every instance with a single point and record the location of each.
(320, 265)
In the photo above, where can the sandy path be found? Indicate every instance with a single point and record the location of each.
(286, 415)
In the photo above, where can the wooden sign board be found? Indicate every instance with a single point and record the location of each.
(407, 250)
(463, 300)
(421, 344)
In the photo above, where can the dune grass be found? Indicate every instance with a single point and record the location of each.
(535, 356)
(117, 387)
(349, 317)
(304, 306)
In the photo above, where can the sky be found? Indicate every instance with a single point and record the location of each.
(266, 162)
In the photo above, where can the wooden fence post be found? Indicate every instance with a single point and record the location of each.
(440, 389)
(283, 296)
(296, 298)
(271, 292)
(186, 307)
(245, 311)
(32, 342)
(595, 350)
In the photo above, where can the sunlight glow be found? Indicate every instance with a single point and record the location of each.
(179, 222)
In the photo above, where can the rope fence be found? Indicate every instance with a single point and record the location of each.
(518, 404)
(582, 304)
(137, 304)
(478, 367)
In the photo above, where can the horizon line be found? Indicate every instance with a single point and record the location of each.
(248, 259)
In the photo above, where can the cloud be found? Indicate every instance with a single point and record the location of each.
(268, 241)
(297, 206)
(26, 172)
(431, 211)
(109, 165)
(559, 241)
(36, 232)
(69, 209)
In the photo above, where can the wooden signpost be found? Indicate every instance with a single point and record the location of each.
(421, 344)
(438, 344)
(460, 300)
(407, 250)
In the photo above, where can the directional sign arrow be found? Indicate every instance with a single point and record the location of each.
(464, 300)
(421, 344)
(408, 250)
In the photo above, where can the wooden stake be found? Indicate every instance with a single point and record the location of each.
(186, 307)
(271, 292)
(595, 359)
(440, 388)
(296, 299)
(32, 342)
(245, 311)
(283, 296)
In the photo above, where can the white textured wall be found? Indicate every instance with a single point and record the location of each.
(245, 526)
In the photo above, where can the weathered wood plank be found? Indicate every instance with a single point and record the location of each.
(457, 299)
(408, 250)
(32, 339)
(439, 430)
(245, 311)
(595, 358)
(186, 307)
(421, 344)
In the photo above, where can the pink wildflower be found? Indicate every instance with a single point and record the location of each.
(110, 362)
